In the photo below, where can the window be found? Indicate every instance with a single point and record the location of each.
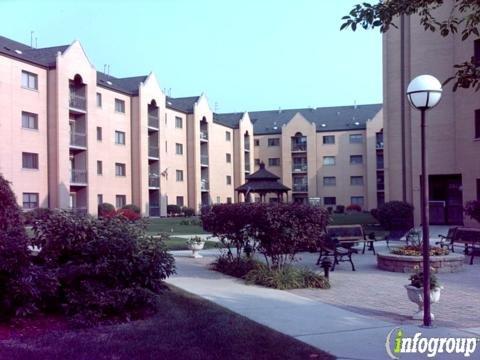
(119, 105)
(29, 120)
(30, 200)
(477, 123)
(274, 162)
(256, 142)
(273, 142)
(229, 200)
(29, 80)
(180, 200)
(328, 139)
(356, 159)
(228, 135)
(356, 180)
(119, 137)
(356, 138)
(228, 157)
(166, 146)
(329, 181)
(257, 162)
(29, 160)
(329, 160)
(329, 200)
(120, 169)
(179, 175)
(229, 180)
(99, 133)
(99, 100)
(99, 167)
(179, 149)
(178, 122)
(120, 201)
(357, 200)
(99, 199)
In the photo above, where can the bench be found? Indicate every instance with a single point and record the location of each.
(351, 235)
(331, 247)
(469, 237)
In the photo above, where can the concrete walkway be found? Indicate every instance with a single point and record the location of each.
(345, 334)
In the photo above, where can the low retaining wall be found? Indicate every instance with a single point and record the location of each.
(401, 263)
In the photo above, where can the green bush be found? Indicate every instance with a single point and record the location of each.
(133, 208)
(29, 217)
(288, 277)
(106, 268)
(105, 209)
(173, 210)
(395, 215)
(188, 212)
(472, 209)
(233, 266)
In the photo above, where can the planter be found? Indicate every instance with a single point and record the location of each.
(196, 247)
(416, 296)
(450, 263)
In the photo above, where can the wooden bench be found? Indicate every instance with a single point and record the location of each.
(469, 237)
(351, 235)
(331, 247)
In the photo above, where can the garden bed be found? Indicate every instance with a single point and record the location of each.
(407, 264)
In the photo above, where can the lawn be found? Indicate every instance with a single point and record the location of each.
(176, 243)
(175, 226)
(187, 327)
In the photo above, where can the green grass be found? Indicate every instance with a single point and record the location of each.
(187, 327)
(176, 243)
(173, 226)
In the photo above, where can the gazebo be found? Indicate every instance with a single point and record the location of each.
(262, 182)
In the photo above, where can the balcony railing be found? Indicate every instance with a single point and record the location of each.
(203, 159)
(153, 181)
(300, 187)
(78, 101)
(154, 210)
(153, 151)
(299, 147)
(153, 121)
(247, 167)
(78, 176)
(79, 210)
(203, 135)
(380, 165)
(204, 185)
(379, 145)
(247, 146)
(78, 139)
(299, 167)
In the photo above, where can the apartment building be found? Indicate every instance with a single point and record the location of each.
(453, 127)
(73, 137)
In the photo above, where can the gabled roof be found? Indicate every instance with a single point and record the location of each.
(43, 56)
(184, 104)
(128, 85)
(231, 120)
(326, 118)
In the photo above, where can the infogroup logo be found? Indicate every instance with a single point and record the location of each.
(397, 343)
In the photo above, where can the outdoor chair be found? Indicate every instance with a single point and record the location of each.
(340, 252)
(447, 240)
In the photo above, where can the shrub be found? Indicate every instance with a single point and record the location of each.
(173, 210)
(107, 268)
(339, 209)
(232, 266)
(472, 209)
(133, 208)
(38, 214)
(105, 209)
(354, 207)
(288, 277)
(128, 214)
(195, 222)
(395, 215)
(188, 212)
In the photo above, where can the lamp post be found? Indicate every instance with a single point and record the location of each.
(423, 93)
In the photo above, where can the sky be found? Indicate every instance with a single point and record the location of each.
(244, 55)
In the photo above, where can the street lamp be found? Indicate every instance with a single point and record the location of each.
(424, 92)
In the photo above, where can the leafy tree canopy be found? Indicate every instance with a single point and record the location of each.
(464, 17)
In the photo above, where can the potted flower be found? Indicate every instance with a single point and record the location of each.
(196, 244)
(415, 291)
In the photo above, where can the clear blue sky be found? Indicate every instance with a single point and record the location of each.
(245, 55)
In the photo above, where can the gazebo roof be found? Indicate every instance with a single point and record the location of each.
(262, 181)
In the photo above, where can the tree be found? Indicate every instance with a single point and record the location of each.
(464, 17)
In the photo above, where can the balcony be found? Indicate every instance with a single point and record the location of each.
(204, 160)
(247, 146)
(300, 188)
(203, 135)
(153, 152)
(78, 102)
(204, 185)
(78, 139)
(78, 177)
(299, 168)
(153, 121)
(379, 145)
(153, 181)
(247, 167)
(300, 147)
(154, 210)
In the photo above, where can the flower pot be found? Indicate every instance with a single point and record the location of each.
(196, 247)
(416, 295)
